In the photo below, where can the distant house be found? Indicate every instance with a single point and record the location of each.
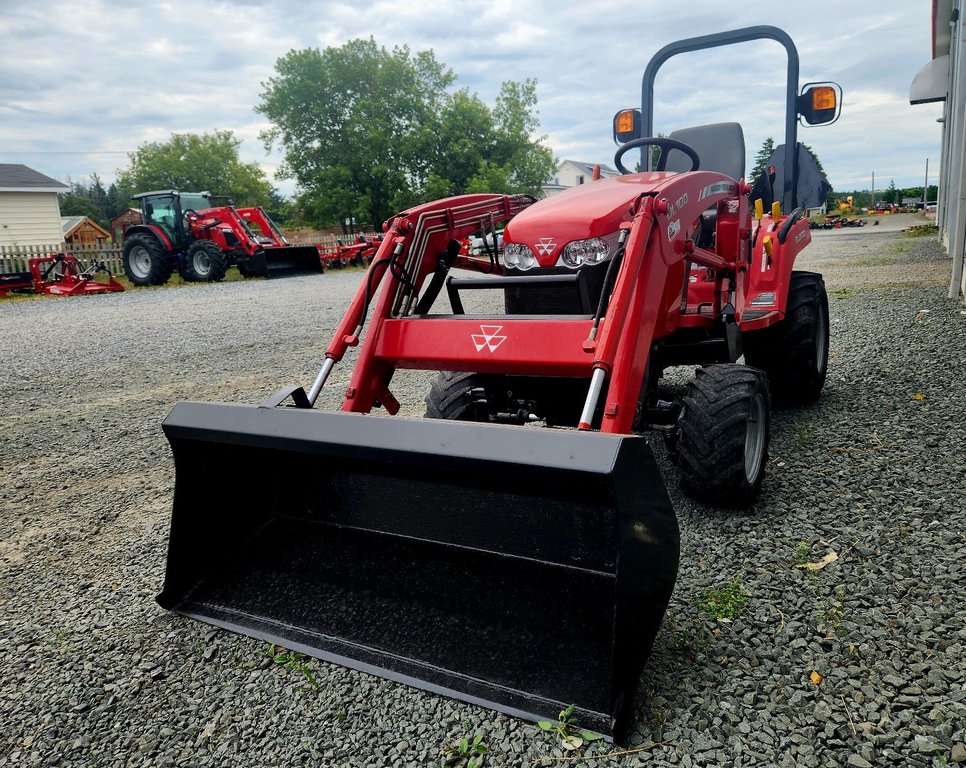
(571, 173)
(29, 210)
(80, 230)
(122, 221)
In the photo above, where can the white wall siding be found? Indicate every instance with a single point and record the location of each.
(30, 218)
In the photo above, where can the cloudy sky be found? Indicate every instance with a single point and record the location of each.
(84, 83)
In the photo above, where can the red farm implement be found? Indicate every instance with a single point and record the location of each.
(59, 275)
(357, 254)
(518, 548)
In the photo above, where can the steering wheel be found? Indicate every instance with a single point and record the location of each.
(665, 145)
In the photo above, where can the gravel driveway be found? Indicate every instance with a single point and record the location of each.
(858, 663)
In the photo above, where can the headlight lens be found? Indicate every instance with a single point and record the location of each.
(518, 256)
(594, 250)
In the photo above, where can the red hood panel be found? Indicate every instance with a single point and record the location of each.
(589, 210)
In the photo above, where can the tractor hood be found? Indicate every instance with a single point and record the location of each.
(590, 210)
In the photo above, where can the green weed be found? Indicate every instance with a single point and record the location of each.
(465, 753)
(291, 660)
(726, 602)
(571, 737)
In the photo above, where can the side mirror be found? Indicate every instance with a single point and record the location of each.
(820, 103)
(148, 209)
(627, 126)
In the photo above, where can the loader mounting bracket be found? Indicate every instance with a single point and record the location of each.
(299, 398)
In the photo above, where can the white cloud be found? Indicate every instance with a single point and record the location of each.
(104, 75)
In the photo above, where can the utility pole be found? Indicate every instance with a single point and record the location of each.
(872, 203)
(925, 187)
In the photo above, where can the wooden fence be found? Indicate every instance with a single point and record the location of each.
(13, 258)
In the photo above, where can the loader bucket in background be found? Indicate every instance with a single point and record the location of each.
(522, 569)
(286, 261)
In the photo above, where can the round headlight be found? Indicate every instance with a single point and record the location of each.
(580, 252)
(518, 256)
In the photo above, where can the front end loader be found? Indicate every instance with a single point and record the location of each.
(517, 549)
(185, 232)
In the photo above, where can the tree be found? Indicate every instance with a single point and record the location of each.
(891, 194)
(811, 154)
(367, 132)
(195, 163)
(762, 158)
(74, 204)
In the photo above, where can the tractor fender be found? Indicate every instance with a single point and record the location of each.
(151, 230)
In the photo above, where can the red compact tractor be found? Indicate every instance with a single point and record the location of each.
(517, 549)
(184, 231)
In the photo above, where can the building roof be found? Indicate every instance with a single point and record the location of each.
(69, 223)
(127, 212)
(20, 178)
(588, 168)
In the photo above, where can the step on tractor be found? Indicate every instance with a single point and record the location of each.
(60, 274)
(516, 549)
(186, 232)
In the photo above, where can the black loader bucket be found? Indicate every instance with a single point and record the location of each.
(286, 261)
(522, 569)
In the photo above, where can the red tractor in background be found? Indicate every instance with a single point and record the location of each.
(185, 231)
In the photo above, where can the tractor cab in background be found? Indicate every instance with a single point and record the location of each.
(166, 209)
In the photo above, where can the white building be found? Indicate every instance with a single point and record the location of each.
(571, 173)
(29, 210)
(943, 78)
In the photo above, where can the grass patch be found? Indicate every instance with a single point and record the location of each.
(725, 602)
(922, 230)
(875, 261)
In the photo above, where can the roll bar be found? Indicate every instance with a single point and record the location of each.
(744, 35)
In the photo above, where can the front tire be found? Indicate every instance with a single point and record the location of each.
(723, 443)
(457, 396)
(145, 261)
(794, 351)
(205, 262)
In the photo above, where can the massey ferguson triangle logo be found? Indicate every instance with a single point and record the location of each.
(488, 338)
(546, 246)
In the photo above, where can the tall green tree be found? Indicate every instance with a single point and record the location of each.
(367, 131)
(891, 194)
(761, 159)
(195, 163)
(74, 204)
(356, 125)
(522, 160)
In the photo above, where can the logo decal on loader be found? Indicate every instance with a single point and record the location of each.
(488, 338)
(546, 246)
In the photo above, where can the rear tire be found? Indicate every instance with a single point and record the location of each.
(794, 352)
(205, 262)
(145, 261)
(723, 444)
(457, 396)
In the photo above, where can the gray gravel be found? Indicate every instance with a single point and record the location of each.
(94, 673)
